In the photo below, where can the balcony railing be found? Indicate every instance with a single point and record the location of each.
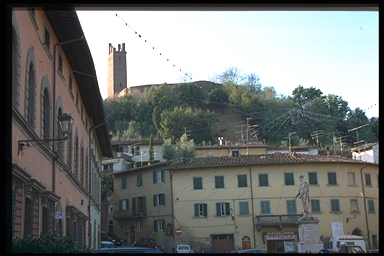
(277, 220)
(127, 214)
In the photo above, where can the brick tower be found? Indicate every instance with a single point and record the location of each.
(117, 70)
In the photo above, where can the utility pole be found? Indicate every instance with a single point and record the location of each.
(241, 131)
(289, 140)
(186, 130)
(248, 118)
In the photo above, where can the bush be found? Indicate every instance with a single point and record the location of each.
(47, 243)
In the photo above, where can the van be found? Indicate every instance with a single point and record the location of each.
(183, 248)
(336, 242)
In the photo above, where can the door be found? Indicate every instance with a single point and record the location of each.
(132, 236)
(245, 243)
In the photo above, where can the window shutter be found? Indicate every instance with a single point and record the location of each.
(218, 209)
(154, 177)
(163, 195)
(155, 225)
(162, 175)
(144, 204)
(127, 203)
(154, 200)
(120, 205)
(134, 206)
(227, 209)
(196, 210)
(205, 209)
(163, 223)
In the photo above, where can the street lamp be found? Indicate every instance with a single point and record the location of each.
(65, 123)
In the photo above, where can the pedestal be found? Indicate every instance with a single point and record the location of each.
(309, 236)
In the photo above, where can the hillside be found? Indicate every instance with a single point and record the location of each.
(229, 125)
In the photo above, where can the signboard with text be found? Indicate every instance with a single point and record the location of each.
(280, 236)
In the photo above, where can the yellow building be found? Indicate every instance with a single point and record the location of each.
(248, 201)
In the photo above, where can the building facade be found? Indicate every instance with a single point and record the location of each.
(55, 175)
(248, 201)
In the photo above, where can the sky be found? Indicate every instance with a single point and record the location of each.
(334, 51)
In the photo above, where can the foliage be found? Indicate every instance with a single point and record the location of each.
(106, 182)
(184, 148)
(167, 112)
(47, 243)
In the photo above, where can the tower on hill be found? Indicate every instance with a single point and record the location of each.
(117, 70)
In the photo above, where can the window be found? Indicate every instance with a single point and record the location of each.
(243, 208)
(332, 178)
(335, 205)
(312, 178)
(368, 181)
(46, 115)
(242, 181)
(30, 92)
(70, 84)
(47, 39)
(139, 181)
(288, 179)
(371, 206)
(159, 225)
(140, 225)
(139, 206)
(263, 180)
(197, 183)
(222, 209)
(159, 199)
(123, 204)
(60, 68)
(351, 179)
(265, 207)
(354, 206)
(158, 176)
(125, 228)
(200, 210)
(315, 206)
(124, 183)
(219, 181)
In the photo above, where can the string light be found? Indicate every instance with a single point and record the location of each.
(126, 24)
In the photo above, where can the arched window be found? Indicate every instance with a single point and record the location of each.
(45, 120)
(15, 68)
(76, 157)
(30, 95)
(82, 164)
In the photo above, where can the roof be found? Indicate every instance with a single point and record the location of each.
(145, 167)
(365, 146)
(66, 26)
(268, 159)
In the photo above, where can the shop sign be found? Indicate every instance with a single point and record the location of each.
(280, 236)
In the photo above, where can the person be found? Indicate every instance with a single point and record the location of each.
(304, 196)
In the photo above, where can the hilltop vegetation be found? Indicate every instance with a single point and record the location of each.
(233, 103)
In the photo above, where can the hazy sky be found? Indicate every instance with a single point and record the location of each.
(334, 51)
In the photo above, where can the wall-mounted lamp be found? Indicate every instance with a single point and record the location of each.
(65, 123)
(354, 216)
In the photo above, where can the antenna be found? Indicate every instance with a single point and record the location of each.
(317, 134)
(357, 135)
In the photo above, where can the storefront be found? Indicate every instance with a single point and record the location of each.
(280, 241)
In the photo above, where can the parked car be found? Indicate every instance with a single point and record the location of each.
(233, 251)
(253, 251)
(207, 250)
(107, 244)
(183, 248)
(147, 242)
(126, 250)
(110, 236)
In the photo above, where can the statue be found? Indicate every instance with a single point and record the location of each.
(305, 199)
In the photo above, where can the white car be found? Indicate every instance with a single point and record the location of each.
(107, 244)
(183, 248)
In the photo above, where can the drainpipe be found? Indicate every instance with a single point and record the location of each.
(172, 206)
(253, 214)
(365, 206)
(90, 189)
(54, 111)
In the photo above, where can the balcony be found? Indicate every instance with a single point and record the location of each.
(277, 220)
(127, 214)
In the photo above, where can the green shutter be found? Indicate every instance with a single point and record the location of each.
(154, 177)
(218, 209)
(227, 209)
(196, 210)
(127, 203)
(205, 210)
(163, 222)
(162, 175)
(163, 199)
(154, 200)
(120, 205)
(155, 225)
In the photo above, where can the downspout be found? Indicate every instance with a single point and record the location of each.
(54, 107)
(172, 206)
(365, 206)
(253, 216)
(90, 190)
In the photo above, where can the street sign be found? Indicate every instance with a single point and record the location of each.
(59, 215)
(178, 231)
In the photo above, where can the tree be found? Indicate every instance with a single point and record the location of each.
(151, 152)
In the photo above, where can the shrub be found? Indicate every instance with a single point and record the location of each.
(47, 243)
